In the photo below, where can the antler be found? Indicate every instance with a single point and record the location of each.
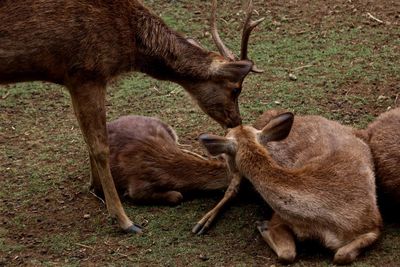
(248, 26)
(214, 32)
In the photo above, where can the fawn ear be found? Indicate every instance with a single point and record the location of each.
(266, 117)
(235, 71)
(217, 145)
(277, 129)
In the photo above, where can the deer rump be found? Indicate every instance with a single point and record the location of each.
(334, 154)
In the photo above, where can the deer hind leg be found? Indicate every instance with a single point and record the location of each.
(279, 237)
(205, 222)
(348, 253)
(95, 183)
(89, 106)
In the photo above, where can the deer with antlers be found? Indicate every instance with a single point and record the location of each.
(319, 181)
(85, 44)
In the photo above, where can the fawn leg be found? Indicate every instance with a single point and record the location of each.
(88, 101)
(166, 198)
(279, 237)
(205, 222)
(348, 253)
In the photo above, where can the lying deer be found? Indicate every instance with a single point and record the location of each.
(319, 181)
(383, 137)
(85, 44)
(149, 166)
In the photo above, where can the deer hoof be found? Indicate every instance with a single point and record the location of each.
(262, 226)
(199, 229)
(134, 229)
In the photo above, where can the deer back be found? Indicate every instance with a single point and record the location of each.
(73, 42)
(384, 141)
(313, 139)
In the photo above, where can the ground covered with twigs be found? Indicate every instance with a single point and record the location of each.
(339, 59)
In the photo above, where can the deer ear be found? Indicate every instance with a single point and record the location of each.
(194, 42)
(277, 129)
(266, 117)
(235, 71)
(217, 145)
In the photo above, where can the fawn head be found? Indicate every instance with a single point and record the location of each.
(218, 95)
(277, 129)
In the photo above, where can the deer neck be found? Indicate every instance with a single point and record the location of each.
(194, 173)
(164, 54)
(257, 165)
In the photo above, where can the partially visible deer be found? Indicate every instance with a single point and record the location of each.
(149, 166)
(383, 137)
(85, 44)
(319, 181)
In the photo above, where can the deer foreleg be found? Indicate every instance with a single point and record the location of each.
(205, 222)
(279, 237)
(88, 101)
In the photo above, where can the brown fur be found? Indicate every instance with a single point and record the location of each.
(73, 42)
(319, 181)
(83, 44)
(149, 167)
(383, 137)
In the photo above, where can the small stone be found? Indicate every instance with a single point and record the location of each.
(86, 216)
(292, 77)
(203, 257)
(382, 97)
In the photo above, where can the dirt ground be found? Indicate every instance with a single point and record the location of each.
(345, 55)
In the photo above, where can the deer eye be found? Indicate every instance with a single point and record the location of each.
(236, 92)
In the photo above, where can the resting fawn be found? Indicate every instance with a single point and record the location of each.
(383, 137)
(83, 45)
(149, 166)
(319, 182)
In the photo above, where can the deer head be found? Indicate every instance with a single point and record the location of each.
(218, 95)
(277, 129)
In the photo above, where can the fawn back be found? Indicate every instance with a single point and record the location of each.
(312, 139)
(148, 165)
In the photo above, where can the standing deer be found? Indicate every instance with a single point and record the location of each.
(148, 165)
(319, 181)
(383, 137)
(85, 44)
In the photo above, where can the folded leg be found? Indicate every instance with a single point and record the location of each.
(279, 237)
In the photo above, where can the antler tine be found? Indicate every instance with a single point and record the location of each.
(214, 32)
(249, 25)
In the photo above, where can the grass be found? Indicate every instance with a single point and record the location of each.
(346, 67)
